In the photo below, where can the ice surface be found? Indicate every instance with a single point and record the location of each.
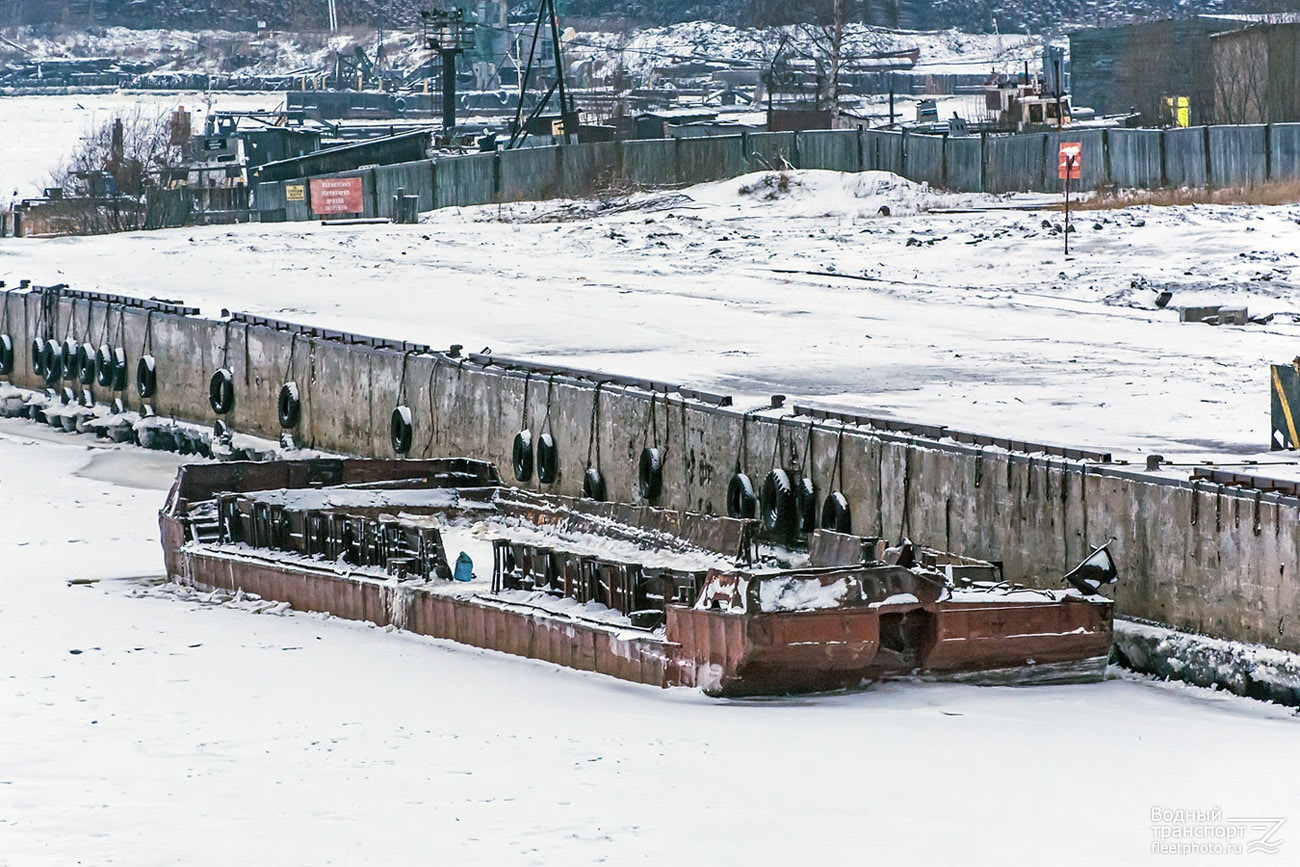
(147, 728)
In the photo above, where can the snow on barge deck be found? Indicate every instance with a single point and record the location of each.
(648, 595)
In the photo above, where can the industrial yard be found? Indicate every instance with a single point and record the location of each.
(732, 296)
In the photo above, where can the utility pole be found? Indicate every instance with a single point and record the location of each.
(447, 34)
(546, 14)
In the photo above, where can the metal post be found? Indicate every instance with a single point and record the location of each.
(1069, 170)
(448, 92)
(565, 108)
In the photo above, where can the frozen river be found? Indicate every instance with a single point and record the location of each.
(142, 726)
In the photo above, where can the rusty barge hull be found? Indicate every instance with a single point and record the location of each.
(727, 631)
(813, 651)
(721, 654)
(474, 621)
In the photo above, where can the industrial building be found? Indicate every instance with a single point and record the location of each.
(1140, 66)
(1257, 74)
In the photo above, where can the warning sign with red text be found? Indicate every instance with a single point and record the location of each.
(1071, 158)
(336, 196)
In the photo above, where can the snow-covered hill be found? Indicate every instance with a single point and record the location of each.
(639, 51)
(1006, 16)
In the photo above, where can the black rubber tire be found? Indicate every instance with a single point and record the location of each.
(805, 505)
(521, 455)
(400, 430)
(593, 485)
(778, 509)
(6, 355)
(650, 473)
(67, 396)
(221, 391)
(52, 359)
(68, 359)
(86, 364)
(38, 356)
(119, 369)
(548, 459)
(835, 513)
(118, 406)
(741, 501)
(289, 407)
(105, 369)
(146, 377)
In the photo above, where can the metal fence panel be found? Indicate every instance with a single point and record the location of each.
(836, 150)
(1185, 157)
(964, 163)
(369, 204)
(586, 168)
(467, 180)
(1017, 163)
(268, 197)
(298, 208)
(414, 179)
(1284, 151)
(923, 159)
(1135, 158)
(530, 174)
(710, 159)
(882, 151)
(769, 150)
(650, 162)
(302, 209)
(1092, 153)
(1237, 155)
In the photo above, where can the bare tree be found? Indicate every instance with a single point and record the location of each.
(1241, 78)
(113, 168)
(830, 35)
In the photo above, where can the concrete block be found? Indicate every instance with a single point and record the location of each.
(1197, 314)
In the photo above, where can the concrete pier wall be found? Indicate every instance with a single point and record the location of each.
(1197, 556)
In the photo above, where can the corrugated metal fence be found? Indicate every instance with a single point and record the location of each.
(1216, 156)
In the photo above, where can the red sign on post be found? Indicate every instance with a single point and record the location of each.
(1071, 158)
(336, 196)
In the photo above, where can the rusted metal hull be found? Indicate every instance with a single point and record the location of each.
(475, 621)
(726, 653)
(746, 633)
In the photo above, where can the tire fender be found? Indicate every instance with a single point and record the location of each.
(289, 406)
(650, 473)
(400, 430)
(221, 391)
(741, 502)
(548, 459)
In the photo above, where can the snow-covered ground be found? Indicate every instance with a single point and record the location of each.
(142, 725)
(974, 320)
(941, 51)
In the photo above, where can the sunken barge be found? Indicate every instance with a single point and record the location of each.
(643, 594)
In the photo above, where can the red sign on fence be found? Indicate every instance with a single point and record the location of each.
(336, 196)
(1071, 158)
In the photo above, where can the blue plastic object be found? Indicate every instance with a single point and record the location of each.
(464, 568)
